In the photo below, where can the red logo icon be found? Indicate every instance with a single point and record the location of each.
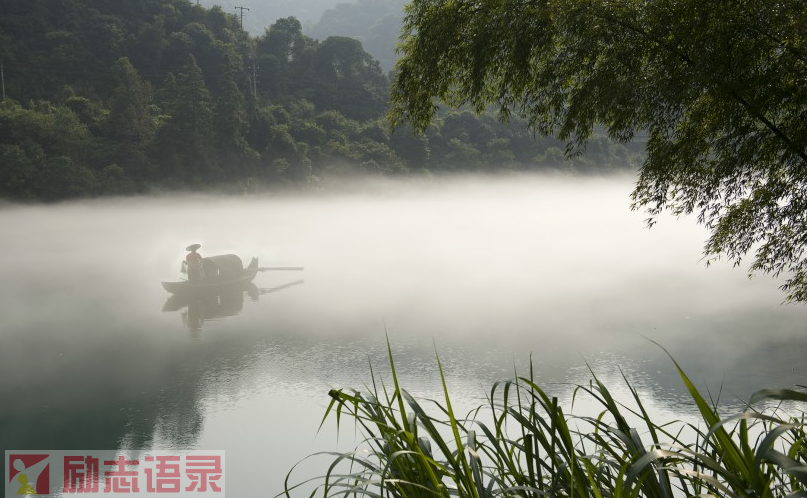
(32, 478)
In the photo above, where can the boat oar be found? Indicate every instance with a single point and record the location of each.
(269, 268)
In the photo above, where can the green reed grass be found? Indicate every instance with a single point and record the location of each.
(532, 448)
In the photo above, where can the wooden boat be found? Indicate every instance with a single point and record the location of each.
(220, 273)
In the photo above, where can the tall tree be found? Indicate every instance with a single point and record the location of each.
(280, 44)
(720, 87)
(349, 79)
(282, 39)
(231, 116)
(192, 109)
(187, 136)
(131, 124)
(130, 119)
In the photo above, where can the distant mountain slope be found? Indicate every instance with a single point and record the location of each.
(375, 23)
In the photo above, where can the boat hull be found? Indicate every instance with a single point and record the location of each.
(187, 287)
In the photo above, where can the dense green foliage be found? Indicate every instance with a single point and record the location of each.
(524, 444)
(104, 96)
(719, 87)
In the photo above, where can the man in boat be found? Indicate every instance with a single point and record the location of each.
(194, 263)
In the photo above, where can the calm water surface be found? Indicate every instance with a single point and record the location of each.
(486, 271)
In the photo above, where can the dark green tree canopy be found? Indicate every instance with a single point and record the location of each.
(120, 97)
(720, 87)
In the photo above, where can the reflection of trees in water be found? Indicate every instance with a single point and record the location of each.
(121, 390)
(99, 406)
(126, 388)
(472, 367)
(729, 373)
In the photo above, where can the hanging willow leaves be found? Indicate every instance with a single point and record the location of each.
(719, 88)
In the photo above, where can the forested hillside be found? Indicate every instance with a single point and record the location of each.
(105, 97)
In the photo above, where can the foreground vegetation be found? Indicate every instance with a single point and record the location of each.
(523, 443)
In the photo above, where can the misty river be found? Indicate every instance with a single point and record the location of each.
(482, 271)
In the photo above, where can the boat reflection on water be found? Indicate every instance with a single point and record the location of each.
(198, 307)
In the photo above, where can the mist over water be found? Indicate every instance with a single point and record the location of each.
(485, 270)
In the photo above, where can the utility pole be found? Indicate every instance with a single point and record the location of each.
(242, 16)
(254, 80)
(3, 79)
